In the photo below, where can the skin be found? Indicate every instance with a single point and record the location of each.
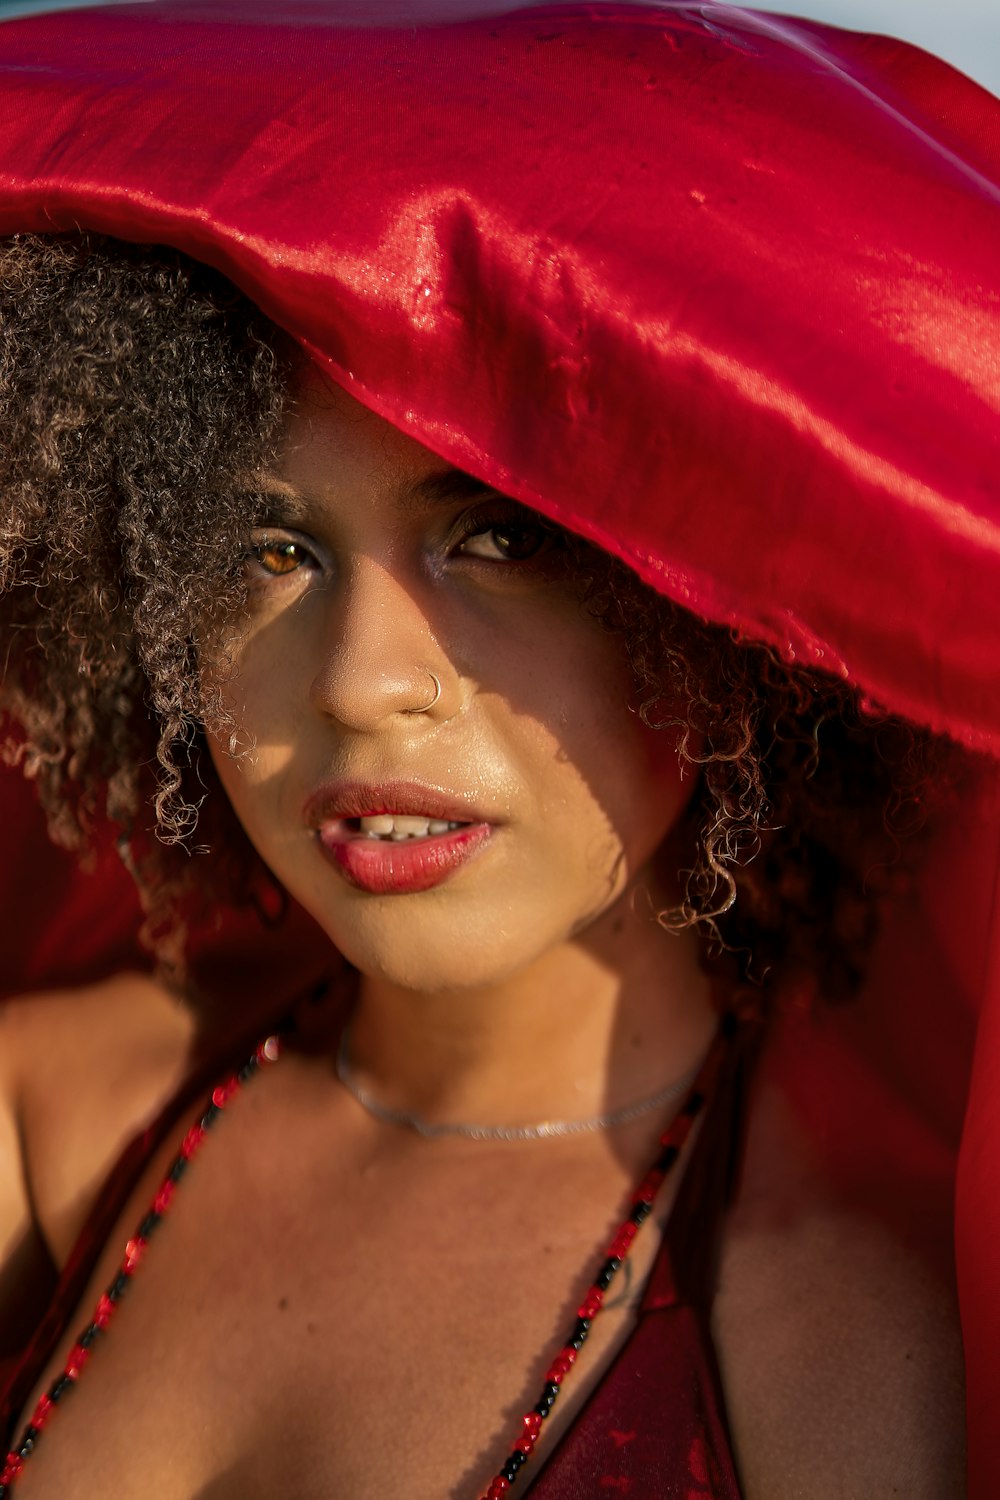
(419, 1287)
(355, 599)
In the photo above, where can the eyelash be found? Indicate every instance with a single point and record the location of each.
(472, 524)
(256, 550)
(510, 517)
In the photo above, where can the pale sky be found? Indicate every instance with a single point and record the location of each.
(964, 32)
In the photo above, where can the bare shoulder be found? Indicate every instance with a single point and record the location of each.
(838, 1343)
(83, 1070)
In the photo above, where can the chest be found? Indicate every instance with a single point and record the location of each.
(340, 1323)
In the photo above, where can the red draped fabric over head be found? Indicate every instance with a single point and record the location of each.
(718, 290)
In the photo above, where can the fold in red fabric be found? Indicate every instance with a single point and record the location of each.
(645, 266)
(716, 289)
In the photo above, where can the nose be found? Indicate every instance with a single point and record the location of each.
(380, 657)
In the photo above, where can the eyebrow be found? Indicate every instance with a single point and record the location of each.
(447, 487)
(283, 504)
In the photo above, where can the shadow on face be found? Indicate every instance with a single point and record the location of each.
(380, 572)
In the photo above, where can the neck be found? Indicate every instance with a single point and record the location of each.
(595, 1024)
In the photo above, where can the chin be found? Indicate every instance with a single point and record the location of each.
(432, 968)
(438, 954)
(475, 931)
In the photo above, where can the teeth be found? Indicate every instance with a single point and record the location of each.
(401, 826)
(383, 823)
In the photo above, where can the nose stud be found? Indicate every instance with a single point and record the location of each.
(424, 707)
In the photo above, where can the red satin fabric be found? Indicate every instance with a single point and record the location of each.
(717, 290)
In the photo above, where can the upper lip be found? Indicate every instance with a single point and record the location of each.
(364, 799)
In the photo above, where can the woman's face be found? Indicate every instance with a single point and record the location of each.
(529, 795)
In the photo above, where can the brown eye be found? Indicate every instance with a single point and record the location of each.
(511, 542)
(279, 558)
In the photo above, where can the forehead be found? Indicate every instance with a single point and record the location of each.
(337, 451)
(326, 426)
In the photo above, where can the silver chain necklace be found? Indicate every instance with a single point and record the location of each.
(540, 1132)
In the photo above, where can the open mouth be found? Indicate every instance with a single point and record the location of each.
(397, 853)
(397, 837)
(399, 828)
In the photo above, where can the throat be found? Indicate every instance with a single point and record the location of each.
(559, 1044)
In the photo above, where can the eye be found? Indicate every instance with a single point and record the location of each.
(278, 556)
(511, 539)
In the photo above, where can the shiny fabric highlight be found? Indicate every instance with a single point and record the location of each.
(735, 261)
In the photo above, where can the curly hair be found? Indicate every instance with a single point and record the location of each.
(138, 390)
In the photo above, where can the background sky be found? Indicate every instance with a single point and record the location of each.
(966, 32)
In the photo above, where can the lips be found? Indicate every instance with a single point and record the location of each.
(388, 864)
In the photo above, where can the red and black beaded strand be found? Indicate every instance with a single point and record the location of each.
(135, 1249)
(670, 1147)
(671, 1144)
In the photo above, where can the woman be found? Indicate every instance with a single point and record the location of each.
(435, 749)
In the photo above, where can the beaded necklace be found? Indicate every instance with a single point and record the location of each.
(670, 1147)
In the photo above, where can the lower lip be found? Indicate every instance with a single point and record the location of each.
(385, 868)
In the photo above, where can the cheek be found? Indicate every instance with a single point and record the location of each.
(248, 781)
(610, 788)
(252, 729)
(643, 793)
(255, 687)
